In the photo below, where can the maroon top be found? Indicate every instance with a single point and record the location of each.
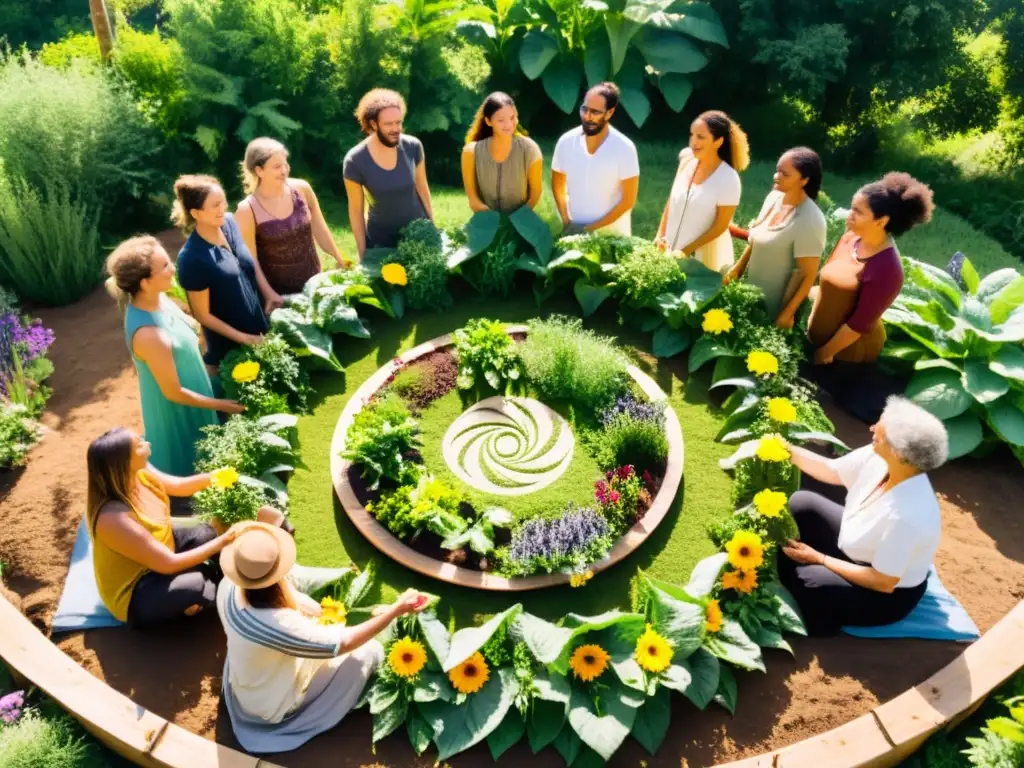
(284, 247)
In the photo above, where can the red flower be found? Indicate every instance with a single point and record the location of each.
(648, 479)
(609, 474)
(625, 472)
(614, 497)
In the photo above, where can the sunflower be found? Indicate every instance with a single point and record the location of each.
(769, 503)
(782, 410)
(713, 618)
(771, 448)
(716, 321)
(331, 612)
(245, 372)
(746, 551)
(761, 363)
(223, 478)
(470, 675)
(653, 652)
(394, 274)
(588, 662)
(741, 581)
(407, 657)
(579, 579)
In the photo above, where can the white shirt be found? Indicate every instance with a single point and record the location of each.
(594, 181)
(898, 532)
(689, 219)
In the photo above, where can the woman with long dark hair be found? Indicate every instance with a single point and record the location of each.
(706, 192)
(502, 169)
(787, 237)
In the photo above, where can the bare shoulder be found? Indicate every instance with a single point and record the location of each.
(302, 185)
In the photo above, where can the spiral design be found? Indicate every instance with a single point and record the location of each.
(508, 446)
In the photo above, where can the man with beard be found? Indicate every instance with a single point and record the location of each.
(598, 167)
(387, 170)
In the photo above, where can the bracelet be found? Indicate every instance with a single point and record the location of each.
(824, 561)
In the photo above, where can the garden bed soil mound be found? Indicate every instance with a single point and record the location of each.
(176, 671)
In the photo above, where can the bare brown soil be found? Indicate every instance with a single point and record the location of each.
(176, 672)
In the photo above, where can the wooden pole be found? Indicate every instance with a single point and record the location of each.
(102, 27)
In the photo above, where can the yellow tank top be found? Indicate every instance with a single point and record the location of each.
(117, 575)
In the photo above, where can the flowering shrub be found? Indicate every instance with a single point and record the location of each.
(18, 433)
(625, 440)
(635, 409)
(622, 498)
(571, 542)
(23, 363)
(266, 378)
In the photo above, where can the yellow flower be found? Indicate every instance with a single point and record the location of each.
(781, 409)
(741, 581)
(771, 448)
(716, 321)
(394, 274)
(713, 618)
(331, 611)
(761, 363)
(653, 652)
(470, 675)
(245, 372)
(769, 503)
(746, 552)
(588, 662)
(579, 579)
(407, 657)
(223, 478)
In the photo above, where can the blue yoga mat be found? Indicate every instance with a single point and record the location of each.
(939, 616)
(80, 606)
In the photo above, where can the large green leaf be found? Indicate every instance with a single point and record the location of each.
(602, 731)
(707, 348)
(389, 720)
(903, 350)
(970, 277)
(620, 32)
(787, 612)
(984, 384)
(1010, 331)
(636, 104)
(335, 316)
(419, 730)
(936, 280)
(534, 230)
(1008, 361)
(669, 342)
(568, 744)
(435, 634)
(641, 11)
(1007, 300)
(738, 422)
(305, 338)
(992, 284)
(537, 51)
(589, 296)
(727, 692)
(561, 81)
(507, 734)
(766, 637)
(457, 727)
(680, 622)
(1008, 421)
(668, 51)
(975, 314)
(676, 89)
(705, 575)
(732, 644)
(545, 722)
(697, 20)
(545, 640)
(597, 58)
(652, 719)
(696, 677)
(481, 229)
(631, 623)
(432, 686)
(467, 641)
(965, 434)
(940, 392)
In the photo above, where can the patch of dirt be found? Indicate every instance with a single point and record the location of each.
(176, 671)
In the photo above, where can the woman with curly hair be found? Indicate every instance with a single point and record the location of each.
(502, 169)
(706, 192)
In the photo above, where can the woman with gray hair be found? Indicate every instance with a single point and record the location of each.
(867, 563)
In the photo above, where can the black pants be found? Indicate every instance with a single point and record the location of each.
(161, 597)
(827, 600)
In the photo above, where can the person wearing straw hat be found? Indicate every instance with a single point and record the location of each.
(287, 678)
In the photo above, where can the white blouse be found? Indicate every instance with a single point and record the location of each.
(898, 532)
(692, 209)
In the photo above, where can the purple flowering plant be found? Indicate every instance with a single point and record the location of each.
(22, 342)
(11, 707)
(637, 410)
(569, 543)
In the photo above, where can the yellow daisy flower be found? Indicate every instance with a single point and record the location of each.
(394, 274)
(741, 581)
(331, 612)
(771, 448)
(407, 657)
(713, 618)
(245, 372)
(746, 551)
(223, 478)
(588, 662)
(653, 652)
(470, 675)
(761, 363)
(770, 503)
(579, 579)
(716, 321)
(782, 410)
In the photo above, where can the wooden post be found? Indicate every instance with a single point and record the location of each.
(102, 27)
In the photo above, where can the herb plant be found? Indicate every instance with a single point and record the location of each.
(643, 274)
(282, 386)
(384, 442)
(486, 355)
(18, 433)
(578, 537)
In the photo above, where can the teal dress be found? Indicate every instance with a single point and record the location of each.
(171, 429)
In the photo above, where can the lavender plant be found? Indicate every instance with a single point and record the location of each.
(635, 409)
(570, 542)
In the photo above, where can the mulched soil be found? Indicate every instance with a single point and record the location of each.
(176, 671)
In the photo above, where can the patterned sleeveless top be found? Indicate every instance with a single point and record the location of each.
(284, 247)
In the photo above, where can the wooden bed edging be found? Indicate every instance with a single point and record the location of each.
(879, 739)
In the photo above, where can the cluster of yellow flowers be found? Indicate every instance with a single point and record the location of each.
(761, 363)
(394, 274)
(332, 612)
(579, 579)
(224, 478)
(782, 410)
(770, 503)
(771, 448)
(245, 372)
(716, 321)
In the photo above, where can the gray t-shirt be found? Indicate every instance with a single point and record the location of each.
(390, 195)
(504, 186)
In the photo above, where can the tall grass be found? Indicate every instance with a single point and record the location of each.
(50, 739)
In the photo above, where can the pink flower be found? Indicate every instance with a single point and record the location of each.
(614, 497)
(601, 486)
(625, 471)
(609, 474)
(648, 479)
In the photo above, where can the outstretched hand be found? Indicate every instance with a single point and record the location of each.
(802, 553)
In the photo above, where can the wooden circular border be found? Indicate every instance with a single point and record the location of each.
(391, 546)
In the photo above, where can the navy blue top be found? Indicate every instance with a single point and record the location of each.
(230, 276)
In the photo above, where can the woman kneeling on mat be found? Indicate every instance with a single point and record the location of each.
(149, 568)
(287, 678)
(867, 564)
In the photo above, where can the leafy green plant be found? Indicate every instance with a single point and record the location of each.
(1002, 741)
(625, 441)
(677, 317)
(486, 354)
(425, 505)
(228, 506)
(281, 386)
(311, 344)
(427, 270)
(18, 433)
(480, 536)
(644, 274)
(384, 443)
(964, 348)
(47, 737)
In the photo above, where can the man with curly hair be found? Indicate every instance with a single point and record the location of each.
(385, 174)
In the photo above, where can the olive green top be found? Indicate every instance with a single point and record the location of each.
(503, 186)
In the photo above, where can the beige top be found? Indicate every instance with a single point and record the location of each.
(503, 186)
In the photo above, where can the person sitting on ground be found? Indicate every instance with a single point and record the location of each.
(502, 170)
(867, 563)
(280, 219)
(148, 567)
(785, 241)
(286, 677)
(175, 387)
